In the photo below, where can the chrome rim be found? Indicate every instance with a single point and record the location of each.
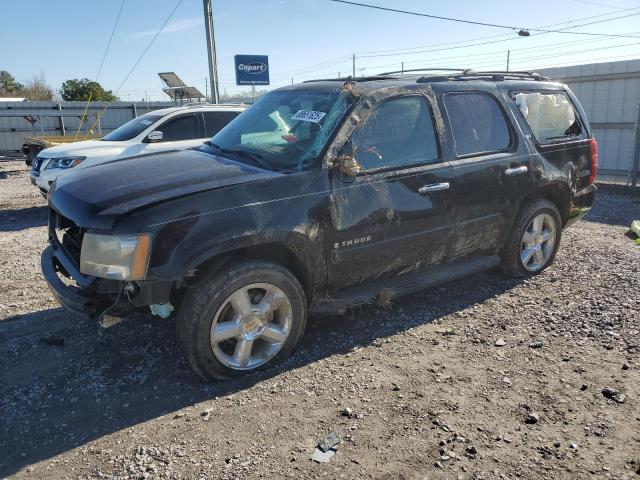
(251, 326)
(538, 241)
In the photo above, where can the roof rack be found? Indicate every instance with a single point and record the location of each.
(440, 74)
(370, 78)
(464, 71)
(517, 74)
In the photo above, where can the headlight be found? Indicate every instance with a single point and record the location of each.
(117, 257)
(64, 162)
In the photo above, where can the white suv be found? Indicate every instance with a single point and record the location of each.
(161, 130)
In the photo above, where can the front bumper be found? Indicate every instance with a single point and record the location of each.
(91, 295)
(45, 178)
(72, 297)
(581, 204)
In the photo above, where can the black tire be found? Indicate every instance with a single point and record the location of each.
(196, 314)
(512, 263)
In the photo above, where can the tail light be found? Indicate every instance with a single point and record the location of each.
(594, 160)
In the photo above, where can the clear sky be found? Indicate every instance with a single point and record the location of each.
(303, 38)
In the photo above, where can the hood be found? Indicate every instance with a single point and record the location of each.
(85, 148)
(96, 196)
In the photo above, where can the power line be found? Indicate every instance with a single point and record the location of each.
(113, 31)
(144, 52)
(503, 35)
(448, 45)
(521, 30)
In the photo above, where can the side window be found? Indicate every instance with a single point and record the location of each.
(477, 123)
(179, 128)
(399, 132)
(550, 115)
(216, 121)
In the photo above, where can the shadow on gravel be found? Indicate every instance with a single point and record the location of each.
(58, 397)
(608, 209)
(21, 219)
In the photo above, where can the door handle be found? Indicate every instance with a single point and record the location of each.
(434, 187)
(516, 170)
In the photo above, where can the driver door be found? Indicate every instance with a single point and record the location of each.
(396, 215)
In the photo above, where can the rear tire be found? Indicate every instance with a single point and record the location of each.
(534, 239)
(245, 318)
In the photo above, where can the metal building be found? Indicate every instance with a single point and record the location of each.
(22, 119)
(610, 94)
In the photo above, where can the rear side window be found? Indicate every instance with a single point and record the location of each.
(477, 123)
(399, 132)
(179, 128)
(550, 115)
(215, 121)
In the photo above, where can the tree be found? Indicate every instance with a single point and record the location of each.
(37, 89)
(75, 89)
(9, 87)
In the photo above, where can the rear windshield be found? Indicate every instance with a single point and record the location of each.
(132, 128)
(550, 115)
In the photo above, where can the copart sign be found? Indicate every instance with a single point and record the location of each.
(252, 69)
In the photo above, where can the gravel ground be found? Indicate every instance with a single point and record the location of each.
(483, 378)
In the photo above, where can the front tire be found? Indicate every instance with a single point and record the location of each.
(534, 239)
(245, 318)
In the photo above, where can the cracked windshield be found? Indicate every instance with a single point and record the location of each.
(284, 131)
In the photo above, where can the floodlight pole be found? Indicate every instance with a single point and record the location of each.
(211, 50)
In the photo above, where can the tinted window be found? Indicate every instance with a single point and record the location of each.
(550, 115)
(477, 122)
(399, 132)
(216, 121)
(179, 128)
(132, 128)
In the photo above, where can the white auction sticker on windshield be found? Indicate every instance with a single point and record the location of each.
(308, 116)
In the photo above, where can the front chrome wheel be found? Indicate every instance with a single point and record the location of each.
(538, 242)
(251, 326)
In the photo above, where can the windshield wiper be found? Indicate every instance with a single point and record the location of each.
(254, 158)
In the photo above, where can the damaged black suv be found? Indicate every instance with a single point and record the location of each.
(322, 196)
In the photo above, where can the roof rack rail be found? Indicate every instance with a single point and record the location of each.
(433, 69)
(495, 75)
(516, 74)
(369, 78)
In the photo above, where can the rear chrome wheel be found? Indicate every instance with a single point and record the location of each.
(534, 239)
(538, 242)
(251, 326)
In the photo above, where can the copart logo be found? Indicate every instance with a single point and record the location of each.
(253, 68)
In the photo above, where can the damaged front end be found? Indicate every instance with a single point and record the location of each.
(86, 294)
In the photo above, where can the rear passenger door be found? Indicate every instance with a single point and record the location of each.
(397, 214)
(493, 170)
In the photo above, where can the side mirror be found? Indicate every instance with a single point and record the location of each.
(155, 136)
(349, 166)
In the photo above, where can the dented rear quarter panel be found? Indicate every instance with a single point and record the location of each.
(562, 165)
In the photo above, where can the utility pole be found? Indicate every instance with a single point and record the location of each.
(508, 55)
(206, 89)
(402, 68)
(354, 65)
(211, 50)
